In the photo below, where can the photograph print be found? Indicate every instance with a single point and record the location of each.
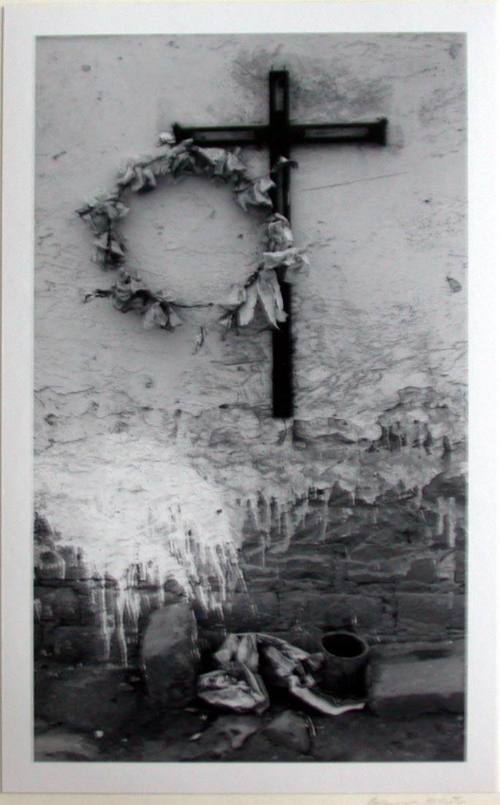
(250, 398)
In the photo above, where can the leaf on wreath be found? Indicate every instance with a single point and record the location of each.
(184, 145)
(173, 319)
(161, 167)
(267, 297)
(211, 159)
(102, 242)
(137, 182)
(115, 248)
(199, 340)
(236, 296)
(155, 316)
(281, 314)
(255, 193)
(126, 177)
(287, 258)
(100, 222)
(278, 233)
(300, 264)
(182, 163)
(166, 138)
(280, 164)
(245, 312)
(234, 168)
(227, 320)
(149, 178)
(123, 289)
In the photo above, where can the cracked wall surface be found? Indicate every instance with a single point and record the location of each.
(148, 451)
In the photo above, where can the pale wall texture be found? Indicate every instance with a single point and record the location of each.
(131, 423)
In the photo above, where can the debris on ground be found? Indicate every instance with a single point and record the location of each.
(291, 729)
(250, 663)
(241, 691)
(229, 732)
(62, 744)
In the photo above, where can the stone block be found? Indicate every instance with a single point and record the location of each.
(81, 644)
(446, 484)
(50, 566)
(358, 612)
(47, 637)
(262, 575)
(259, 610)
(422, 570)
(330, 611)
(76, 567)
(91, 600)
(375, 572)
(404, 687)
(458, 614)
(340, 497)
(425, 615)
(302, 568)
(44, 603)
(37, 638)
(65, 605)
(460, 567)
(376, 552)
(150, 600)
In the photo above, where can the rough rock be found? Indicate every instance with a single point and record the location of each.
(170, 656)
(422, 614)
(406, 686)
(228, 733)
(291, 730)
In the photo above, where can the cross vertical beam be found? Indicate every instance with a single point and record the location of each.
(279, 146)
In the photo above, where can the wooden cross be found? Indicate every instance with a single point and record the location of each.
(279, 135)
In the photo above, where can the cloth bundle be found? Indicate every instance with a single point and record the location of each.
(246, 660)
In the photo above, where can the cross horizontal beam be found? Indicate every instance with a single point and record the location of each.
(293, 134)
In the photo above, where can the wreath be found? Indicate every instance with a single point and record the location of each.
(105, 212)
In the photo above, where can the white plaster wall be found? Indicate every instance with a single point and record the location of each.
(375, 314)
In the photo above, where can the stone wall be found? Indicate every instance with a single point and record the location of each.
(387, 565)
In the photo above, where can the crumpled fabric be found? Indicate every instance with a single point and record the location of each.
(246, 660)
(239, 692)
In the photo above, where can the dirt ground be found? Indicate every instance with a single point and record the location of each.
(196, 734)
